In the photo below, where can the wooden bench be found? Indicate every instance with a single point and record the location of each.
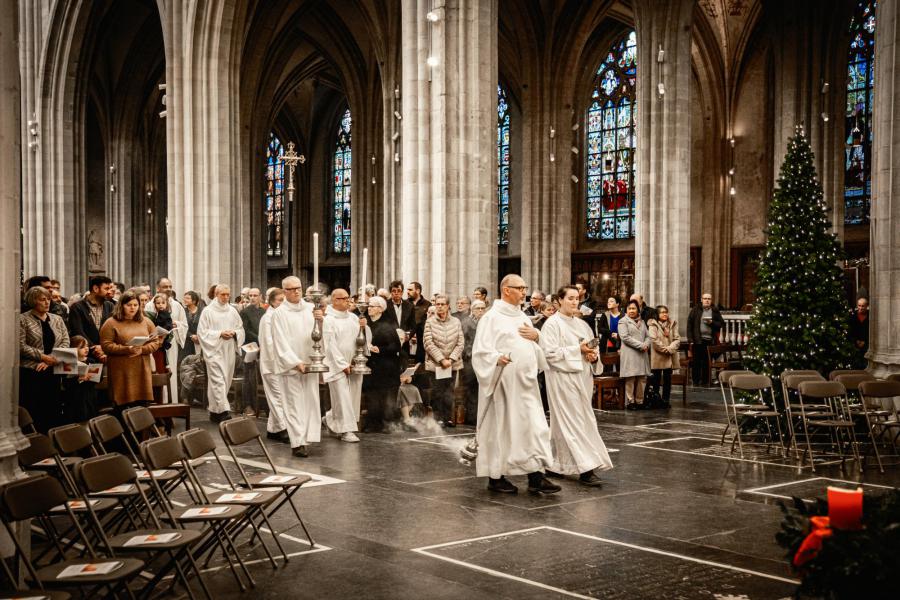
(168, 412)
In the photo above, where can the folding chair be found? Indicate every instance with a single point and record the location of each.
(758, 385)
(26, 423)
(33, 498)
(165, 453)
(838, 372)
(198, 443)
(732, 407)
(790, 381)
(873, 396)
(242, 430)
(41, 455)
(113, 471)
(851, 382)
(839, 423)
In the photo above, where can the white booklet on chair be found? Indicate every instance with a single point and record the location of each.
(162, 538)
(277, 479)
(206, 511)
(237, 497)
(88, 569)
(157, 473)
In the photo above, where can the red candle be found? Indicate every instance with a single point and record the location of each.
(845, 508)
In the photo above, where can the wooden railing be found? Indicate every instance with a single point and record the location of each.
(735, 330)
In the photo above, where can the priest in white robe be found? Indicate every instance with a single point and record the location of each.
(273, 384)
(179, 335)
(513, 436)
(574, 438)
(221, 335)
(340, 330)
(292, 325)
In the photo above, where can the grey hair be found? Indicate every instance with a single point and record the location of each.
(479, 304)
(31, 296)
(291, 279)
(442, 296)
(223, 287)
(378, 301)
(539, 294)
(466, 298)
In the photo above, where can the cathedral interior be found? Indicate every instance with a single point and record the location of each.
(633, 145)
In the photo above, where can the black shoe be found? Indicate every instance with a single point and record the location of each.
(300, 451)
(631, 406)
(590, 479)
(219, 417)
(278, 436)
(449, 424)
(543, 487)
(501, 486)
(550, 473)
(665, 406)
(642, 406)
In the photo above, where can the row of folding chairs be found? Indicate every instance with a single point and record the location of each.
(107, 518)
(814, 408)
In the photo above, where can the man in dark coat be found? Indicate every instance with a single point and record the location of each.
(88, 314)
(704, 324)
(250, 317)
(859, 333)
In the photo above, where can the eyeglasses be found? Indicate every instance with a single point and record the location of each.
(340, 297)
(521, 288)
(294, 289)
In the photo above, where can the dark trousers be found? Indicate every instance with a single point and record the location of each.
(248, 386)
(700, 363)
(442, 398)
(39, 393)
(381, 407)
(470, 383)
(662, 379)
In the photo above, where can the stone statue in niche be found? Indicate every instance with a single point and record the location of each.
(95, 252)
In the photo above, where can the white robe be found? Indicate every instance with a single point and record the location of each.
(219, 354)
(273, 383)
(179, 335)
(513, 436)
(577, 446)
(292, 326)
(340, 331)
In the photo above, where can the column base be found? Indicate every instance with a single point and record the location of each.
(882, 364)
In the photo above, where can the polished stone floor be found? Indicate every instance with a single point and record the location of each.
(396, 516)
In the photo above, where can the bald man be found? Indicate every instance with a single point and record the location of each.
(513, 435)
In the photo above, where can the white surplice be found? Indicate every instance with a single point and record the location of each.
(179, 335)
(273, 383)
(577, 446)
(219, 354)
(292, 326)
(340, 331)
(513, 436)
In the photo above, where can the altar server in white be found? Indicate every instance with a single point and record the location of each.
(292, 325)
(577, 446)
(340, 330)
(276, 429)
(221, 337)
(513, 436)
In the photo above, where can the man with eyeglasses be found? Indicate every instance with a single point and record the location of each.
(513, 435)
(704, 324)
(340, 330)
(292, 325)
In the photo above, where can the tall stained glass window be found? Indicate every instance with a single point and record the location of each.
(860, 81)
(274, 197)
(611, 144)
(502, 167)
(341, 205)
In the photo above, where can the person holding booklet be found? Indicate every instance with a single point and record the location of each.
(79, 401)
(444, 343)
(39, 333)
(128, 338)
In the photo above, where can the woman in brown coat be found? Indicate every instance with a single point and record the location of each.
(664, 343)
(128, 367)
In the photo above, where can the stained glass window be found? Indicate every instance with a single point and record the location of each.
(860, 81)
(611, 144)
(341, 205)
(274, 197)
(502, 167)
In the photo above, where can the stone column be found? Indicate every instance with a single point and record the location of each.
(11, 438)
(662, 241)
(208, 233)
(884, 276)
(448, 220)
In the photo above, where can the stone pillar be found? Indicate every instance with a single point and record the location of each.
(884, 329)
(662, 241)
(448, 217)
(208, 233)
(11, 438)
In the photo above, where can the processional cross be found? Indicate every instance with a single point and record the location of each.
(291, 158)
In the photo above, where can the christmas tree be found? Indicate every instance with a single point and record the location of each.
(799, 320)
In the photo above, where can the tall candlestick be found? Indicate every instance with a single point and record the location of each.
(365, 264)
(315, 280)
